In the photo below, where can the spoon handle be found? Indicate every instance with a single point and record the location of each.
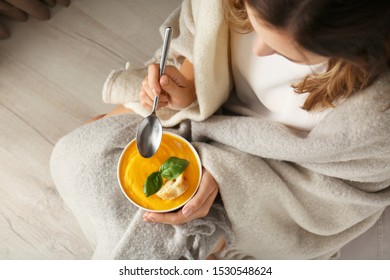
(165, 48)
(163, 61)
(155, 103)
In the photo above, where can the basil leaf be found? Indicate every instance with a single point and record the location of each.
(173, 167)
(153, 183)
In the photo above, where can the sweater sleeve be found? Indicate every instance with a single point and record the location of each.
(122, 86)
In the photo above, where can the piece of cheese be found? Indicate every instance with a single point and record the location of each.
(173, 188)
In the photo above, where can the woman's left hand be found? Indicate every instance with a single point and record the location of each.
(197, 207)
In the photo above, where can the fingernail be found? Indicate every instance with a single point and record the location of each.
(155, 92)
(164, 80)
(187, 211)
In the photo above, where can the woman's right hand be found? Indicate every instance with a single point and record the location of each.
(176, 88)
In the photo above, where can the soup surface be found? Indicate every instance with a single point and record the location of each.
(134, 170)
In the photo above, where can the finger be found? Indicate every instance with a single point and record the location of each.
(64, 3)
(146, 102)
(147, 97)
(154, 79)
(174, 218)
(175, 76)
(147, 89)
(50, 3)
(4, 33)
(177, 218)
(204, 210)
(172, 85)
(163, 99)
(206, 188)
(12, 12)
(34, 8)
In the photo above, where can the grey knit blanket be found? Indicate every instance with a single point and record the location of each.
(286, 194)
(84, 168)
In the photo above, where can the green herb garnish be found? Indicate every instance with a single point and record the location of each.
(153, 183)
(171, 169)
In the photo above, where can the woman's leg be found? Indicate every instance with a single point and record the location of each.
(219, 246)
(84, 168)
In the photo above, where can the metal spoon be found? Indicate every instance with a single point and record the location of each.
(149, 132)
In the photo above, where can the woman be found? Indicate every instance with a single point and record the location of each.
(300, 154)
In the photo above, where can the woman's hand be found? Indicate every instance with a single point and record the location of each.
(197, 207)
(176, 88)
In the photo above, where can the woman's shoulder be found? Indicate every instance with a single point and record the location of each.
(383, 81)
(367, 112)
(377, 95)
(364, 113)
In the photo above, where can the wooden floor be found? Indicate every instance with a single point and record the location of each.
(51, 80)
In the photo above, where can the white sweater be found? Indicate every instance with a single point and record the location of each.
(263, 85)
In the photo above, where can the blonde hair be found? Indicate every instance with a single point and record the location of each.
(342, 79)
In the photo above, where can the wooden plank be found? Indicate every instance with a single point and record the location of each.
(34, 222)
(41, 103)
(52, 74)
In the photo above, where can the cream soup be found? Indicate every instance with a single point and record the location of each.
(134, 170)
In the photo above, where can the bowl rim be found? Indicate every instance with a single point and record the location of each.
(166, 210)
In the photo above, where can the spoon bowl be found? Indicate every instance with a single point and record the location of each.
(149, 134)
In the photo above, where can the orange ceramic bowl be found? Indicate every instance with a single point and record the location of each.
(133, 170)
